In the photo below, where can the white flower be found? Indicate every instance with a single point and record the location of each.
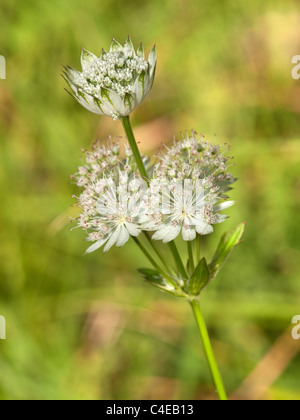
(112, 197)
(188, 209)
(193, 175)
(115, 83)
(116, 219)
(185, 196)
(193, 157)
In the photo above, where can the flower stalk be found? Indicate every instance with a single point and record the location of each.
(214, 370)
(178, 260)
(191, 256)
(133, 145)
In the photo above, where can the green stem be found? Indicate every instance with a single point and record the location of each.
(191, 257)
(215, 373)
(153, 262)
(198, 250)
(155, 249)
(134, 147)
(178, 259)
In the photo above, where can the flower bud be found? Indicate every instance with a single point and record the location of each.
(115, 83)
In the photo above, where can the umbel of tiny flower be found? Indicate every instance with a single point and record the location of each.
(115, 83)
(202, 169)
(190, 181)
(112, 196)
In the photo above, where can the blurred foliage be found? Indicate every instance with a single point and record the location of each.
(87, 327)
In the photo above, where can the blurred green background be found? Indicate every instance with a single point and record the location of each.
(87, 327)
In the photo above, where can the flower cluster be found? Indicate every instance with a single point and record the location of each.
(195, 173)
(115, 83)
(111, 196)
(186, 193)
(193, 157)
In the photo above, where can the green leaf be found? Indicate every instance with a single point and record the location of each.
(227, 243)
(200, 278)
(152, 276)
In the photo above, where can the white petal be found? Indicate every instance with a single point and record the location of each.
(133, 229)
(144, 218)
(167, 233)
(161, 232)
(112, 240)
(115, 46)
(204, 228)
(188, 234)
(140, 86)
(172, 234)
(140, 52)
(151, 226)
(221, 218)
(223, 206)
(123, 236)
(152, 61)
(107, 104)
(129, 104)
(129, 45)
(86, 58)
(73, 75)
(117, 103)
(87, 102)
(96, 245)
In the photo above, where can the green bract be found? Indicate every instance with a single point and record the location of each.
(115, 83)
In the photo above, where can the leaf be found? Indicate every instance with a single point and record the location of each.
(152, 276)
(227, 243)
(200, 278)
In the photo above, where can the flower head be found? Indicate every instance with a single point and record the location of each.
(193, 157)
(186, 193)
(187, 207)
(112, 197)
(194, 177)
(116, 218)
(115, 83)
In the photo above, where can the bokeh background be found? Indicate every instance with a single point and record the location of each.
(88, 327)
